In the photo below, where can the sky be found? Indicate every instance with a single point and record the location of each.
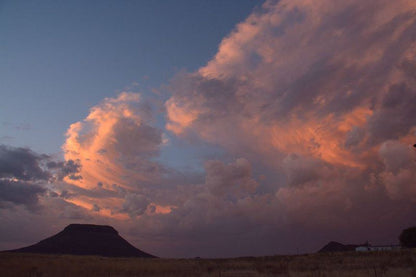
(209, 128)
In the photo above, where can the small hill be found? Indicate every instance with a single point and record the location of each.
(86, 239)
(334, 246)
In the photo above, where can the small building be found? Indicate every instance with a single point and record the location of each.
(365, 248)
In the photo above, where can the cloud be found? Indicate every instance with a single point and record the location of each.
(115, 144)
(393, 118)
(69, 169)
(321, 94)
(399, 175)
(22, 163)
(329, 82)
(20, 193)
(25, 175)
(312, 104)
(303, 171)
(135, 204)
(233, 179)
(315, 79)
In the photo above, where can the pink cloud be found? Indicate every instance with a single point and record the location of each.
(322, 94)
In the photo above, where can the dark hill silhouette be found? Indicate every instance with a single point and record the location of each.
(334, 246)
(86, 239)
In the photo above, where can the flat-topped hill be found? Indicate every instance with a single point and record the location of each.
(86, 239)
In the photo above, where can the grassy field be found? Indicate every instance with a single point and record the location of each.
(394, 263)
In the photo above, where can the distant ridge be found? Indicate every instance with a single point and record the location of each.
(334, 246)
(86, 239)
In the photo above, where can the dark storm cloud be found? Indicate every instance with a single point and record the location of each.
(25, 175)
(20, 193)
(135, 204)
(233, 179)
(21, 171)
(68, 169)
(396, 115)
(22, 163)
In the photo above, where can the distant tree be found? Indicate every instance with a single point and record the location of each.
(408, 237)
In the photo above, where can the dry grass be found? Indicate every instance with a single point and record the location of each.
(394, 263)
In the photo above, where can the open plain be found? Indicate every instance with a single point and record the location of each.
(388, 263)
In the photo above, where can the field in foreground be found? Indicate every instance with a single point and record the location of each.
(394, 263)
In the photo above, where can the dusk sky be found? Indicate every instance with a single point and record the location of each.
(209, 128)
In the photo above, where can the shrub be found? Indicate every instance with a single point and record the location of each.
(408, 237)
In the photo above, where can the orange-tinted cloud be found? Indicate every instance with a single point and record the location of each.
(312, 79)
(115, 145)
(320, 95)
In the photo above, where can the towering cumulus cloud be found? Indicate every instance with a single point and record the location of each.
(322, 79)
(323, 94)
(115, 144)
